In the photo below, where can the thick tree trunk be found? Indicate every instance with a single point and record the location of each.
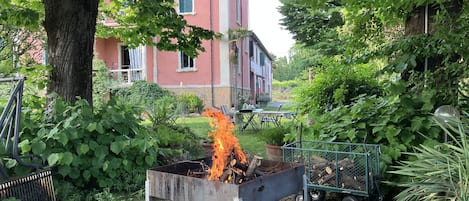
(70, 27)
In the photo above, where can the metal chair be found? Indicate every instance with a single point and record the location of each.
(271, 119)
(36, 186)
(226, 112)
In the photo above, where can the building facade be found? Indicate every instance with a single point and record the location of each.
(229, 72)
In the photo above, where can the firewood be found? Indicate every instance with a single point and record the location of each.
(224, 177)
(255, 162)
(345, 163)
(350, 182)
(325, 179)
(320, 165)
(328, 170)
(318, 159)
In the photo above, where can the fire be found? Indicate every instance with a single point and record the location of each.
(225, 144)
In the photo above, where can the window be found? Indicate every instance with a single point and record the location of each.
(186, 62)
(262, 59)
(238, 11)
(125, 58)
(186, 6)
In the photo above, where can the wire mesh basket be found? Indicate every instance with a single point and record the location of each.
(34, 187)
(336, 166)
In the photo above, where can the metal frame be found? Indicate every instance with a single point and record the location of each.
(10, 126)
(369, 154)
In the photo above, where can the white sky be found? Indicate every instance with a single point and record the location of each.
(264, 20)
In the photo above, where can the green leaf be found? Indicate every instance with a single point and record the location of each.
(38, 147)
(10, 163)
(63, 138)
(116, 147)
(91, 127)
(100, 128)
(86, 175)
(64, 170)
(82, 149)
(53, 158)
(105, 165)
(67, 158)
(25, 146)
(149, 159)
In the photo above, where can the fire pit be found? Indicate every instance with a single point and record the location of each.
(278, 180)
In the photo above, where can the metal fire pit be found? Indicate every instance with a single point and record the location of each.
(170, 183)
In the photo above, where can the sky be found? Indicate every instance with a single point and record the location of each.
(264, 20)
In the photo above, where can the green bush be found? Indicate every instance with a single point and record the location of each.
(334, 86)
(107, 148)
(394, 122)
(142, 93)
(273, 135)
(191, 103)
(102, 83)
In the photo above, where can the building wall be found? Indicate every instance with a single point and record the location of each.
(213, 78)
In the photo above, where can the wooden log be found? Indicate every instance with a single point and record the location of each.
(345, 163)
(225, 176)
(349, 182)
(255, 162)
(319, 159)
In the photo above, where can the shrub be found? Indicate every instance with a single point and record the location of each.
(191, 103)
(102, 83)
(99, 148)
(142, 93)
(334, 86)
(438, 172)
(273, 135)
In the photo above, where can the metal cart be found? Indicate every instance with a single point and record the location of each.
(350, 170)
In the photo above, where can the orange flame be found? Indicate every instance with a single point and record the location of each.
(225, 143)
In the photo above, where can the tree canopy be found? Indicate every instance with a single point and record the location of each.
(71, 26)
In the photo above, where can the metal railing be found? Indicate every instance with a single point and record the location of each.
(127, 76)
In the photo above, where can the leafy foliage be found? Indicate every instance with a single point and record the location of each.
(311, 25)
(191, 103)
(142, 93)
(102, 83)
(437, 172)
(336, 85)
(146, 19)
(100, 148)
(274, 135)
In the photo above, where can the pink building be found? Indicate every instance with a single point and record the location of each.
(228, 71)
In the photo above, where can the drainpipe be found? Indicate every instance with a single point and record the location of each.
(211, 58)
(241, 52)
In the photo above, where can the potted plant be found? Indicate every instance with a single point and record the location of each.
(273, 138)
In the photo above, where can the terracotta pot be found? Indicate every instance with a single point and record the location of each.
(274, 152)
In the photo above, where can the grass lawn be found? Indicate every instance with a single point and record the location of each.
(249, 142)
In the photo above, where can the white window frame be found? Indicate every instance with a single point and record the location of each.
(182, 68)
(192, 12)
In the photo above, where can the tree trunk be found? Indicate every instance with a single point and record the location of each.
(70, 27)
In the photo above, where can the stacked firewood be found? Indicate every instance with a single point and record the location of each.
(234, 171)
(324, 172)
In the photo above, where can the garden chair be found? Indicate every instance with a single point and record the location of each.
(226, 112)
(265, 120)
(36, 186)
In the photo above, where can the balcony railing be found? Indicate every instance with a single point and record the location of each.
(127, 76)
